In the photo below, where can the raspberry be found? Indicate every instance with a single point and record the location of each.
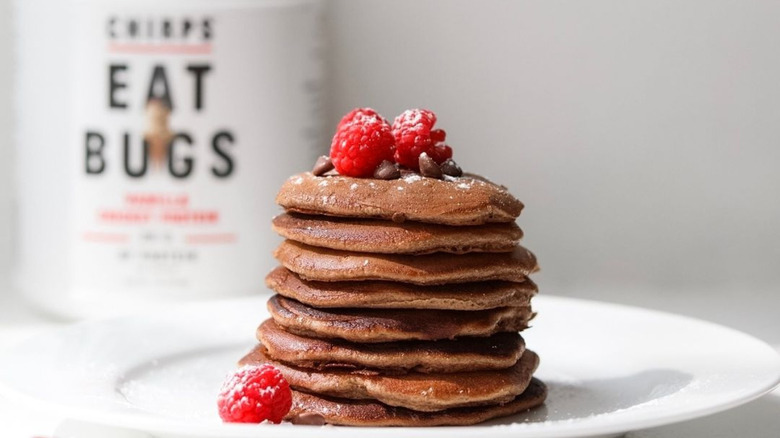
(414, 134)
(361, 144)
(438, 135)
(440, 153)
(359, 113)
(253, 394)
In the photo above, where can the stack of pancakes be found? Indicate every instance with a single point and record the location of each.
(399, 302)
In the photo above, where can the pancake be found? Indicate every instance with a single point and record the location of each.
(416, 391)
(499, 351)
(344, 412)
(390, 295)
(323, 264)
(466, 200)
(370, 235)
(380, 325)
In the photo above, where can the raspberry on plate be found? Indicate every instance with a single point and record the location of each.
(414, 134)
(361, 144)
(253, 394)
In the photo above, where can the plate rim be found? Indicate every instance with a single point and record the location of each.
(147, 422)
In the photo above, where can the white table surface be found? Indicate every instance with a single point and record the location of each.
(758, 419)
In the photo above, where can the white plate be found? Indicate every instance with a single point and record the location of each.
(610, 369)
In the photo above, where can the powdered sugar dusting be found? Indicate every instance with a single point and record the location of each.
(183, 387)
(427, 392)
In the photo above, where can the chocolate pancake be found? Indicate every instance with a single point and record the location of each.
(499, 351)
(466, 200)
(369, 235)
(345, 412)
(416, 391)
(323, 264)
(379, 325)
(391, 295)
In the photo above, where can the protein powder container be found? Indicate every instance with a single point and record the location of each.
(151, 138)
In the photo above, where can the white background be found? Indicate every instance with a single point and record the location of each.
(643, 136)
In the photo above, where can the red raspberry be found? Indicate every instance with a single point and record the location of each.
(440, 153)
(414, 134)
(360, 145)
(359, 113)
(253, 394)
(438, 135)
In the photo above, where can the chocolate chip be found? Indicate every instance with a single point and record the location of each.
(428, 167)
(322, 166)
(387, 170)
(308, 419)
(398, 217)
(451, 168)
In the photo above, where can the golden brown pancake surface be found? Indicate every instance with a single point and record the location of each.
(379, 325)
(321, 264)
(345, 412)
(393, 295)
(466, 200)
(499, 351)
(416, 391)
(378, 236)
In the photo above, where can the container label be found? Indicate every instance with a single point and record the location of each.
(184, 122)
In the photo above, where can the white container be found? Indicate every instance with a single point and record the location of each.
(152, 137)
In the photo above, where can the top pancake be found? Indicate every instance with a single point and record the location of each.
(378, 236)
(466, 200)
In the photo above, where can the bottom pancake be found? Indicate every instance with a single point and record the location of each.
(346, 412)
(416, 391)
